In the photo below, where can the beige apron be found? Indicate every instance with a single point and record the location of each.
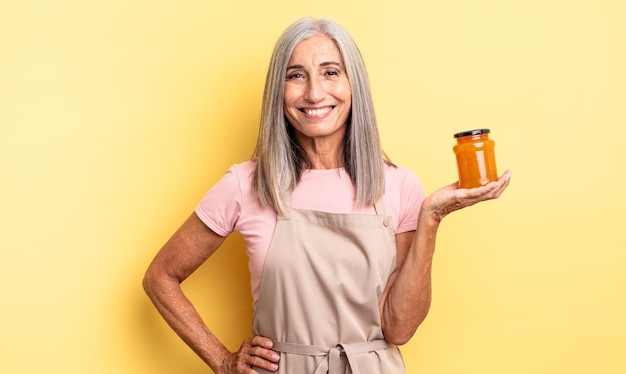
(322, 281)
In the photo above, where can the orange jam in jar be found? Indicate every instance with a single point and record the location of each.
(475, 158)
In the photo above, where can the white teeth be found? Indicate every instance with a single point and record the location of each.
(317, 112)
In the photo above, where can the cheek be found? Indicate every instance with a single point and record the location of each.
(344, 92)
(291, 94)
(346, 97)
(289, 104)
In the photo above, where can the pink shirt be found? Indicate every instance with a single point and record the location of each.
(232, 205)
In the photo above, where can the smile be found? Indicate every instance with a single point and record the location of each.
(317, 112)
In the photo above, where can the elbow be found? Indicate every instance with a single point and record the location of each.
(399, 337)
(400, 331)
(158, 281)
(150, 281)
(147, 282)
(398, 342)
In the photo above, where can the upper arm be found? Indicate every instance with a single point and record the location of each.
(190, 246)
(403, 243)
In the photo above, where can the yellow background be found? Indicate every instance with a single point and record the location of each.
(116, 116)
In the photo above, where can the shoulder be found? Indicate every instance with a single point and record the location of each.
(398, 176)
(235, 178)
(222, 205)
(238, 178)
(243, 170)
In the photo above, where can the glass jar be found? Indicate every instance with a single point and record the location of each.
(475, 158)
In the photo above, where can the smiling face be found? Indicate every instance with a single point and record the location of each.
(318, 97)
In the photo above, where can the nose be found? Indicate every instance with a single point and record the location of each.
(314, 91)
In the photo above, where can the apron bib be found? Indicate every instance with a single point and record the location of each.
(322, 281)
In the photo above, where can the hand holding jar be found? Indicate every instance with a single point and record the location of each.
(478, 176)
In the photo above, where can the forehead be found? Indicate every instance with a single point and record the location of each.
(316, 49)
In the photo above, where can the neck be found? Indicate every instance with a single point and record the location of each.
(322, 162)
(323, 153)
(323, 156)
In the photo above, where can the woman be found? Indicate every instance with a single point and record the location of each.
(340, 241)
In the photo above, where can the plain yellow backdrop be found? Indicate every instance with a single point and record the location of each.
(117, 116)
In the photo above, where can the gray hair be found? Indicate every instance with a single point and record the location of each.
(280, 162)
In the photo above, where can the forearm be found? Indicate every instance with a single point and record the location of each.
(182, 317)
(409, 297)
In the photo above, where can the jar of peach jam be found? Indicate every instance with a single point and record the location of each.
(475, 158)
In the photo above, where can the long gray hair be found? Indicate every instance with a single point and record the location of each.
(280, 161)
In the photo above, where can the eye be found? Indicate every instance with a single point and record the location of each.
(296, 75)
(332, 73)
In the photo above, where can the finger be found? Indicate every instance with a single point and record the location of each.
(259, 362)
(478, 193)
(261, 354)
(507, 174)
(258, 346)
(494, 187)
(262, 342)
(502, 183)
(265, 354)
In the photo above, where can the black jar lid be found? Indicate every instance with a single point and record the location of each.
(471, 133)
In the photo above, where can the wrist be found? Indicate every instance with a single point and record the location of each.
(216, 357)
(428, 215)
(223, 362)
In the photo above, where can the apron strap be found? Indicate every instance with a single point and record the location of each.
(285, 197)
(379, 207)
(332, 362)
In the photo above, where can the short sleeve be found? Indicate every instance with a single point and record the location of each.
(411, 197)
(220, 208)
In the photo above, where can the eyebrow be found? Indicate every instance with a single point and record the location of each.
(323, 64)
